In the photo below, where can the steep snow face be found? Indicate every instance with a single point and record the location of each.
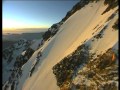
(76, 30)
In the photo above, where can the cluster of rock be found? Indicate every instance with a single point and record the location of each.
(99, 73)
(35, 63)
(100, 34)
(111, 5)
(115, 26)
(22, 59)
(51, 31)
(67, 67)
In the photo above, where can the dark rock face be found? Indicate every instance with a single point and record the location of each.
(51, 31)
(101, 69)
(115, 26)
(67, 67)
(111, 4)
(35, 64)
(91, 74)
(101, 33)
(47, 35)
(106, 59)
(113, 15)
(21, 60)
(104, 75)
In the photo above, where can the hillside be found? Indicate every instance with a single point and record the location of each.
(78, 52)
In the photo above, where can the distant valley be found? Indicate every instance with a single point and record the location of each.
(10, 39)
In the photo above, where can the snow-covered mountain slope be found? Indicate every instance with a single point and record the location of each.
(87, 25)
(74, 31)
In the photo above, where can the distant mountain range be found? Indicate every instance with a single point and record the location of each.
(9, 39)
(28, 36)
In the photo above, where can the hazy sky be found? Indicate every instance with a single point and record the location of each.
(34, 14)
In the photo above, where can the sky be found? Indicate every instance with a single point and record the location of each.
(18, 14)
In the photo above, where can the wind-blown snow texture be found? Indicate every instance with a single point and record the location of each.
(85, 26)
